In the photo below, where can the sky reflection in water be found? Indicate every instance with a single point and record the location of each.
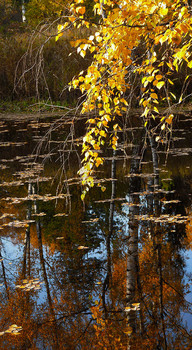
(66, 279)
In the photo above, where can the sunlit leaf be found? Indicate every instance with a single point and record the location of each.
(160, 84)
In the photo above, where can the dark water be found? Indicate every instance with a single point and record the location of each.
(111, 273)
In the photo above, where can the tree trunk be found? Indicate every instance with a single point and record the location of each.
(132, 254)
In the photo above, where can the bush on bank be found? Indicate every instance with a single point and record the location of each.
(38, 71)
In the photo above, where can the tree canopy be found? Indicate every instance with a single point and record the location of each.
(141, 44)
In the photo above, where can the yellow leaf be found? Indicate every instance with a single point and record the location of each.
(184, 27)
(80, 10)
(176, 65)
(91, 37)
(98, 162)
(173, 95)
(146, 111)
(99, 38)
(96, 146)
(81, 79)
(127, 308)
(60, 29)
(155, 82)
(163, 11)
(160, 84)
(146, 83)
(82, 53)
(169, 64)
(136, 304)
(72, 19)
(81, 247)
(151, 78)
(75, 83)
(152, 9)
(82, 196)
(169, 119)
(176, 38)
(163, 38)
(170, 81)
(129, 332)
(103, 133)
(105, 98)
(145, 103)
(124, 101)
(91, 121)
(159, 77)
(154, 96)
(156, 110)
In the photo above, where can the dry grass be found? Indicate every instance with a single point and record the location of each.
(35, 65)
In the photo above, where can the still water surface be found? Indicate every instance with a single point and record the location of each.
(111, 273)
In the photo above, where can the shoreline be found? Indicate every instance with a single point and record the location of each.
(26, 116)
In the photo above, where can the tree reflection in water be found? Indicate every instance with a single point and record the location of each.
(110, 276)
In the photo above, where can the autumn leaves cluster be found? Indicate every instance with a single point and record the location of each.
(149, 40)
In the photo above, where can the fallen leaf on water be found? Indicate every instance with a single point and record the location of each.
(179, 219)
(60, 214)
(81, 247)
(18, 224)
(171, 201)
(2, 167)
(133, 307)
(13, 329)
(6, 215)
(40, 214)
(29, 284)
(13, 183)
(91, 220)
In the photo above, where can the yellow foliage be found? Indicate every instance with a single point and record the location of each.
(154, 96)
(158, 77)
(160, 84)
(163, 11)
(80, 10)
(126, 26)
(169, 119)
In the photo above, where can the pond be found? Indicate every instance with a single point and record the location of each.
(113, 272)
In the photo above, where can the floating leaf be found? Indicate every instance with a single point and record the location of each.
(29, 284)
(13, 329)
(82, 247)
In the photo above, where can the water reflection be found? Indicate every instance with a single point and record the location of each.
(107, 274)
